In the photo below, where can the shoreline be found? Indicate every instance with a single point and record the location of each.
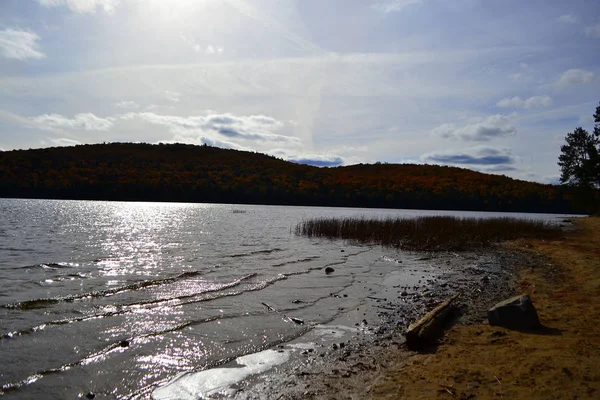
(475, 360)
(334, 360)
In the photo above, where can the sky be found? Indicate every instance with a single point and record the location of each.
(488, 85)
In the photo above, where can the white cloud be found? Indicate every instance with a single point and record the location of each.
(127, 104)
(593, 31)
(85, 121)
(480, 155)
(172, 96)
(388, 6)
(83, 6)
(532, 102)
(253, 128)
(538, 102)
(515, 102)
(479, 129)
(574, 77)
(19, 45)
(568, 18)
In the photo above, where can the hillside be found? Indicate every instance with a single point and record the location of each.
(187, 173)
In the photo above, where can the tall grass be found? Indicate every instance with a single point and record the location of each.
(438, 233)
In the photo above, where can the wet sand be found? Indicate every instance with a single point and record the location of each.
(473, 359)
(347, 357)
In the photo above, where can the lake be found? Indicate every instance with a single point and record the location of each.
(118, 298)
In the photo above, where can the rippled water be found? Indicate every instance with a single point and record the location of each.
(117, 298)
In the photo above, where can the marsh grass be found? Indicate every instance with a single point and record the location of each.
(437, 233)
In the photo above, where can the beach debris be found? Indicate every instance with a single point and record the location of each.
(515, 313)
(124, 343)
(430, 326)
(90, 395)
(285, 317)
(297, 320)
(329, 270)
(268, 306)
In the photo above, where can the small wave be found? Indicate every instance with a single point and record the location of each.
(180, 299)
(213, 294)
(301, 260)
(69, 277)
(253, 253)
(40, 303)
(118, 346)
(48, 266)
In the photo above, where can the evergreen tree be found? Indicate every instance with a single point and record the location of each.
(579, 160)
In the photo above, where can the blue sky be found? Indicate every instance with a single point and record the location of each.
(488, 85)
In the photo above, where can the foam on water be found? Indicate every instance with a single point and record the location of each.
(219, 381)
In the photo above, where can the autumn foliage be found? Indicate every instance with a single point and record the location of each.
(187, 173)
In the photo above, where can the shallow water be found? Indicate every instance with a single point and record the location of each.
(117, 298)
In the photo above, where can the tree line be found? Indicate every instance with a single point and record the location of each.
(188, 173)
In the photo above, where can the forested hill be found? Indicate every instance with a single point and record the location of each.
(186, 173)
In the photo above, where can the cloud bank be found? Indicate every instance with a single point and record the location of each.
(253, 127)
(479, 130)
(85, 121)
(479, 156)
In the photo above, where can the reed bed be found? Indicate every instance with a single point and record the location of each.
(437, 233)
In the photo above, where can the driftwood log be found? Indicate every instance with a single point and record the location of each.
(428, 328)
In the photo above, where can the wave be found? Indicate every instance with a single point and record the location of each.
(47, 266)
(123, 309)
(253, 253)
(40, 303)
(118, 345)
(302, 260)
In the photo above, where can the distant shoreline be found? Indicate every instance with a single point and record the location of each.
(442, 210)
(204, 174)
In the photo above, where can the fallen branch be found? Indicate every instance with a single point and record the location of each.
(428, 328)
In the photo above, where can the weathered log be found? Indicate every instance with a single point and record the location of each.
(429, 327)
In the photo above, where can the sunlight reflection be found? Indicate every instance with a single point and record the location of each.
(132, 235)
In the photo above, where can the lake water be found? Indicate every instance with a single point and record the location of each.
(119, 298)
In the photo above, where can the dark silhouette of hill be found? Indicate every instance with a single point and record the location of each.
(187, 173)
